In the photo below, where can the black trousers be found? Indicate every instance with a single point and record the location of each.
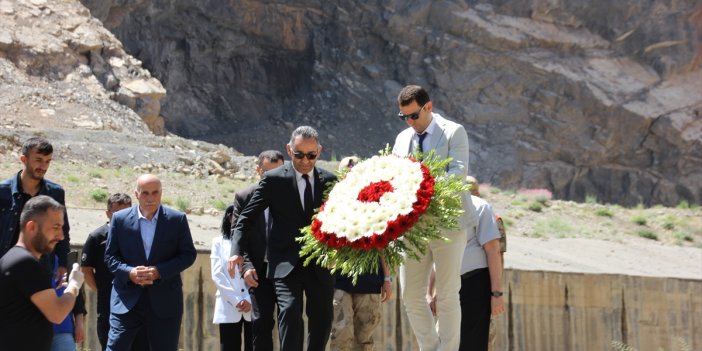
(262, 316)
(319, 309)
(230, 336)
(475, 310)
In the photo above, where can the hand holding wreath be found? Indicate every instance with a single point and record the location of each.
(386, 205)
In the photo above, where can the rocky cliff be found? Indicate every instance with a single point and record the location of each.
(583, 98)
(64, 76)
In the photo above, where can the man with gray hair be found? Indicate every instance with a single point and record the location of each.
(28, 303)
(148, 246)
(291, 193)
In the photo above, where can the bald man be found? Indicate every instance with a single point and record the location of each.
(147, 247)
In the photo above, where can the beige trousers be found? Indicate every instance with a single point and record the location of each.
(446, 257)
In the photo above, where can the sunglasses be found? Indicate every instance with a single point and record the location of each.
(412, 116)
(300, 155)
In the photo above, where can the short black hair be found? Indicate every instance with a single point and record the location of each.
(271, 156)
(36, 208)
(413, 93)
(226, 227)
(42, 145)
(118, 199)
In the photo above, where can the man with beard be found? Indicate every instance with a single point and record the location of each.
(28, 303)
(36, 156)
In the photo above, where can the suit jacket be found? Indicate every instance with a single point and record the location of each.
(448, 140)
(278, 191)
(257, 235)
(230, 291)
(172, 252)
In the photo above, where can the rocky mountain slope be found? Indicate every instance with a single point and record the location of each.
(64, 76)
(583, 98)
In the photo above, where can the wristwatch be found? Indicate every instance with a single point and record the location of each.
(388, 279)
(496, 293)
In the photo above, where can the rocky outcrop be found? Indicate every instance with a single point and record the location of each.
(60, 44)
(583, 99)
(66, 77)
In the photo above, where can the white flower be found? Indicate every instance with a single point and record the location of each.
(346, 216)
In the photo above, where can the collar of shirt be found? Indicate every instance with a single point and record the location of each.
(18, 183)
(429, 130)
(154, 219)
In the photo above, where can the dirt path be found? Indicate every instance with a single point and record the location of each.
(633, 257)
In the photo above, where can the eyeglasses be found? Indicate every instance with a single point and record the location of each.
(300, 155)
(412, 116)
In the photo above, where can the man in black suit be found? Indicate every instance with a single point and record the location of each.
(291, 193)
(262, 291)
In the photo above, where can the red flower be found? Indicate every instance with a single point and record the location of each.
(395, 228)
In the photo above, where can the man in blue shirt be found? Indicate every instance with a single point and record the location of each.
(36, 156)
(148, 246)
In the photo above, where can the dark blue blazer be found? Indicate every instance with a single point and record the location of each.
(172, 252)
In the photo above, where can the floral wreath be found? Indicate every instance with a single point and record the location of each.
(386, 206)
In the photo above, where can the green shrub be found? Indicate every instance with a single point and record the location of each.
(639, 219)
(554, 226)
(590, 199)
(604, 212)
(541, 199)
(219, 204)
(182, 203)
(73, 179)
(683, 205)
(495, 190)
(95, 174)
(669, 222)
(167, 201)
(535, 206)
(683, 236)
(99, 195)
(648, 234)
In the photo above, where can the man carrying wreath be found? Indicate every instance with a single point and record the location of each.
(430, 131)
(291, 193)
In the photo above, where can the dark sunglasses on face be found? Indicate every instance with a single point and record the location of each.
(300, 155)
(412, 116)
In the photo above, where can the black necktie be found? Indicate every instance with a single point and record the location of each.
(421, 140)
(308, 195)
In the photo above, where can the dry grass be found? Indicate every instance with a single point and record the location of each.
(530, 213)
